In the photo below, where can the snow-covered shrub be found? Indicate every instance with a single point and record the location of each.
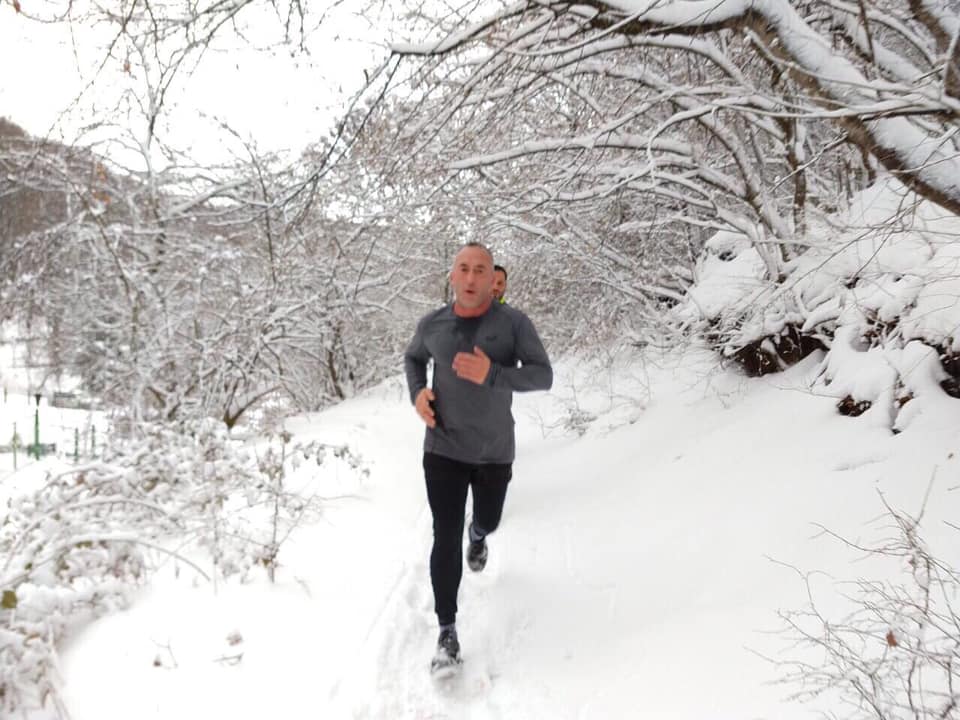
(79, 545)
(70, 551)
(877, 287)
(272, 510)
(741, 312)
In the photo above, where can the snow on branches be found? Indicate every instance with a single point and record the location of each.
(608, 129)
(76, 547)
(877, 287)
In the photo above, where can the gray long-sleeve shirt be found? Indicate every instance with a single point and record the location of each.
(474, 422)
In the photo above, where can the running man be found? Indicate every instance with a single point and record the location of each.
(482, 352)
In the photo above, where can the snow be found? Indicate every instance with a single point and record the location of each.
(936, 314)
(660, 514)
(728, 275)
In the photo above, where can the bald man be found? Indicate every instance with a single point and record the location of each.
(483, 351)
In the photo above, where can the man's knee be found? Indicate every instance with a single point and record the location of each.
(486, 519)
(447, 533)
(484, 525)
(488, 501)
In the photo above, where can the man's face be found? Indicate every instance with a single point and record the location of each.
(472, 277)
(499, 284)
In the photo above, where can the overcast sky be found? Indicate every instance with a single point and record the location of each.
(279, 100)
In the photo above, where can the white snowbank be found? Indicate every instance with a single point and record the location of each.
(637, 572)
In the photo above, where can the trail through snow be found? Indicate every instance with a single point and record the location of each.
(638, 570)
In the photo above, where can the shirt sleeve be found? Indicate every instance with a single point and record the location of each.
(415, 359)
(534, 372)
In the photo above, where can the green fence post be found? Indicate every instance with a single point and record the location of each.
(76, 444)
(14, 442)
(36, 428)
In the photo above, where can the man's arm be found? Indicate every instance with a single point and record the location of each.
(535, 371)
(415, 359)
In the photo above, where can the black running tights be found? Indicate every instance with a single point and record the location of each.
(447, 483)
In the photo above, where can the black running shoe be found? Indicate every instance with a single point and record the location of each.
(447, 658)
(477, 555)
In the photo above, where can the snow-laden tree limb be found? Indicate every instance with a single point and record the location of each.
(920, 161)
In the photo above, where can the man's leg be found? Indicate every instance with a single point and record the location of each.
(489, 487)
(447, 482)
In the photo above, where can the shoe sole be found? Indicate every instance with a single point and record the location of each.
(445, 671)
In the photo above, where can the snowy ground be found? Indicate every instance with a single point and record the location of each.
(638, 571)
(76, 433)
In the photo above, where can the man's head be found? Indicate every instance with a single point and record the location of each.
(499, 282)
(472, 276)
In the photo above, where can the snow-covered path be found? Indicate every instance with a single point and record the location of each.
(638, 571)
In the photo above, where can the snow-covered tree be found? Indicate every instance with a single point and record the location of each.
(176, 288)
(621, 135)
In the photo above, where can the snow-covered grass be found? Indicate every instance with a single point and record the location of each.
(77, 433)
(649, 542)
(74, 432)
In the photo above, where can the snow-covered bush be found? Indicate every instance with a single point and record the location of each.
(80, 544)
(877, 287)
(739, 310)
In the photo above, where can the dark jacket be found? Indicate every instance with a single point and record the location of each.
(474, 422)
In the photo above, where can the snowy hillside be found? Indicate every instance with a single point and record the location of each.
(639, 570)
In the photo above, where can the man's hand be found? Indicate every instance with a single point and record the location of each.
(422, 404)
(472, 366)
